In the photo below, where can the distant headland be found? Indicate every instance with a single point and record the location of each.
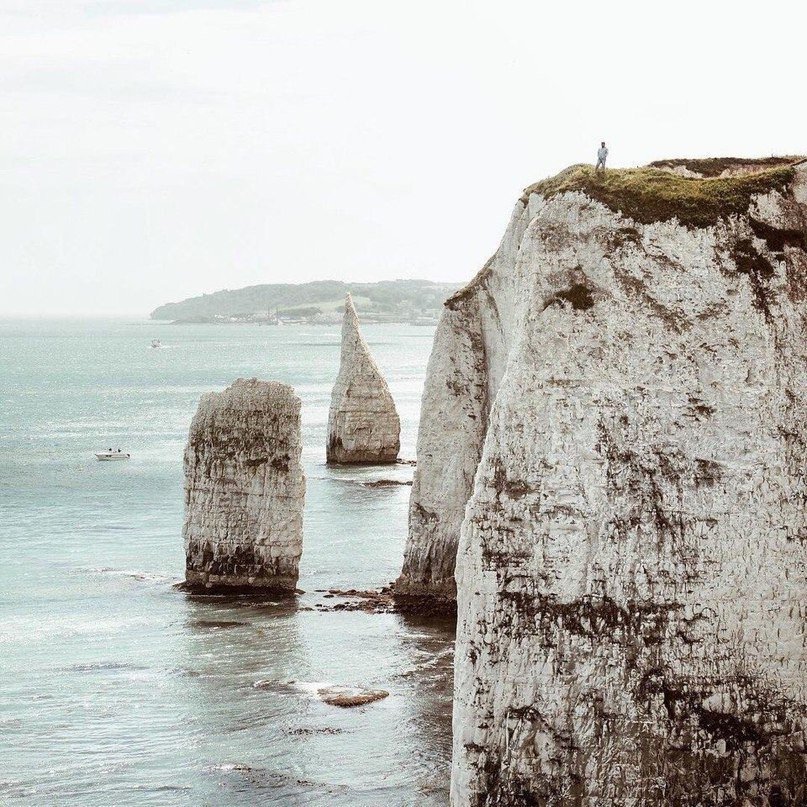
(320, 302)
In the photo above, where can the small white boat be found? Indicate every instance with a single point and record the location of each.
(156, 343)
(112, 456)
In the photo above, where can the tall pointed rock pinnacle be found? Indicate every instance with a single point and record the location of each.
(363, 424)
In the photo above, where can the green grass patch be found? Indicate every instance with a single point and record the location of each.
(650, 194)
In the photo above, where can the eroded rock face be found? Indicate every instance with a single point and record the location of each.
(471, 346)
(631, 572)
(363, 424)
(244, 491)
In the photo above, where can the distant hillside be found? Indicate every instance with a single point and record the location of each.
(389, 299)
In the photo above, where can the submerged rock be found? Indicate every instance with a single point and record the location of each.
(363, 424)
(387, 483)
(618, 399)
(374, 601)
(244, 491)
(347, 697)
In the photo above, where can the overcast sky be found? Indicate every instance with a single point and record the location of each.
(152, 150)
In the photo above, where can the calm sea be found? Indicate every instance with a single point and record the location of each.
(115, 689)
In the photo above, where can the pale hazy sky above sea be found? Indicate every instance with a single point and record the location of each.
(152, 150)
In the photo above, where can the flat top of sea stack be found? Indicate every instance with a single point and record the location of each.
(250, 393)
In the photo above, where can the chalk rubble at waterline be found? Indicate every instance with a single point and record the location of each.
(363, 424)
(244, 491)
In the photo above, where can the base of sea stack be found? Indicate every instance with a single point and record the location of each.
(337, 454)
(425, 601)
(250, 587)
(425, 606)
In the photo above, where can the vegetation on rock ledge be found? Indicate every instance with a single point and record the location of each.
(715, 166)
(649, 194)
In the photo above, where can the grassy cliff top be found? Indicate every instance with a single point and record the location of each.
(715, 166)
(652, 194)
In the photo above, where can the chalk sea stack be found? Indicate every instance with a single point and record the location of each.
(244, 491)
(612, 459)
(363, 424)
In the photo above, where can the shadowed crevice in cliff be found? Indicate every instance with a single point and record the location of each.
(759, 271)
(577, 295)
(778, 238)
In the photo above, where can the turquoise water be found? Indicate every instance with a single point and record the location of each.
(116, 688)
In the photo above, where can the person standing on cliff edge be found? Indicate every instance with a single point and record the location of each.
(602, 155)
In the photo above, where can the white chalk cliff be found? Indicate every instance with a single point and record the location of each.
(363, 424)
(244, 491)
(612, 450)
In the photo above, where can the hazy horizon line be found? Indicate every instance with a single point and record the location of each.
(93, 314)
